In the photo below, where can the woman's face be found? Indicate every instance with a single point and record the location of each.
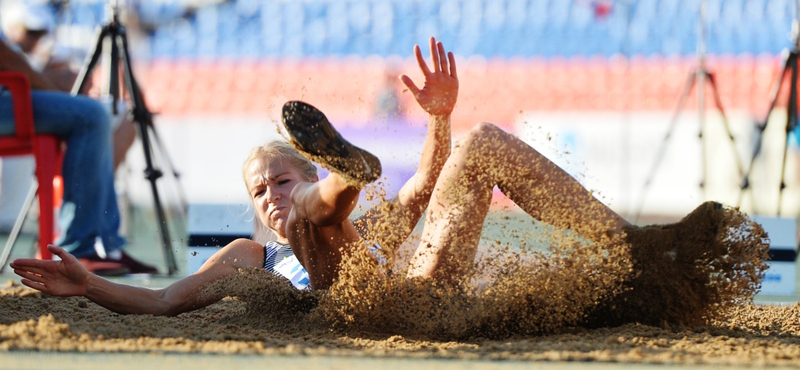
(270, 182)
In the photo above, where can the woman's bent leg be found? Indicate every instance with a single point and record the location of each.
(486, 157)
(542, 189)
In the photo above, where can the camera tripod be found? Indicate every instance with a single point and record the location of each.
(789, 69)
(113, 36)
(697, 78)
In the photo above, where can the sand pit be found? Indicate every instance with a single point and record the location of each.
(574, 306)
(755, 335)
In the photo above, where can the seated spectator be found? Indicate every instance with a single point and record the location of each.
(89, 217)
(28, 27)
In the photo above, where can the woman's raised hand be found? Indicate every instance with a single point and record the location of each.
(440, 89)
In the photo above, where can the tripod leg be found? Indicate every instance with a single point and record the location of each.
(791, 123)
(154, 133)
(726, 123)
(83, 77)
(783, 170)
(144, 119)
(12, 237)
(171, 168)
(113, 73)
(789, 64)
(139, 101)
(663, 147)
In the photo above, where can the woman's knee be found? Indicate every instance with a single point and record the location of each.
(486, 130)
(481, 137)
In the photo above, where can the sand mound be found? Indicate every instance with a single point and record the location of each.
(752, 335)
(690, 272)
(686, 274)
(561, 305)
(671, 293)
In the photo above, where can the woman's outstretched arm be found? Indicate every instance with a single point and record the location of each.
(68, 277)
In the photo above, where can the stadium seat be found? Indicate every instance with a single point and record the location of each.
(382, 28)
(185, 35)
(83, 14)
(338, 29)
(364, 27)
(246, 9)
(206, 20)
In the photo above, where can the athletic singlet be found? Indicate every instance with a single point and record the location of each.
(280, 260)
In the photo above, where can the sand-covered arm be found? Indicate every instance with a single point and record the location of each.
(437, 97)
(68, 277)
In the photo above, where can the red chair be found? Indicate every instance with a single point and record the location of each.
(46, 150)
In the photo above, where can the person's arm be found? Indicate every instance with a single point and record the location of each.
(438, 98)
(68, 278)
(10, 60)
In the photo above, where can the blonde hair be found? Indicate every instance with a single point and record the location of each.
(281, 150)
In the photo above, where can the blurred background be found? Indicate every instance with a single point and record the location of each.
(601, 87)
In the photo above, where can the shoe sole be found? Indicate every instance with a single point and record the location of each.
(313, 136)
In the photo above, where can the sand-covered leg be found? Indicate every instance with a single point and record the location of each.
(690, 271)
(312, 134)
